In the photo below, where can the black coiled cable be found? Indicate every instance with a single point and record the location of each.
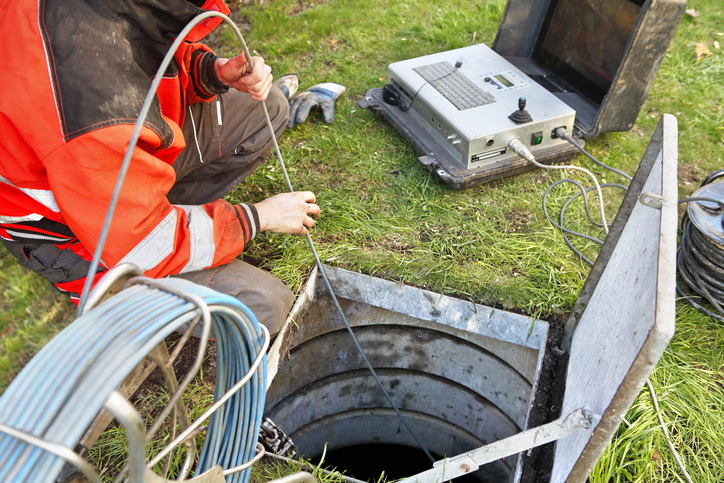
(700, 263)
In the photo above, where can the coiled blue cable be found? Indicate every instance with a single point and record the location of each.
(59, 392)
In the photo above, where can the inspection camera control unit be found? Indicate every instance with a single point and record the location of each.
(586, 65)
(476, 104)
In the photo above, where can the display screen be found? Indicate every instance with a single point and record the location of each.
(504, 80)
(583, 42)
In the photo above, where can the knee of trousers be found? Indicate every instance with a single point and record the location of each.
(268, 298)
(278, 300)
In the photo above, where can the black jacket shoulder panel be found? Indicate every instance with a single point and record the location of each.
(103, 55)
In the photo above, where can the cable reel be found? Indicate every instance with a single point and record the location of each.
(700, 258)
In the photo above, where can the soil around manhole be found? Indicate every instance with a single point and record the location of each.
(546, 407)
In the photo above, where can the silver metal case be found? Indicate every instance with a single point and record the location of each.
(477, 134)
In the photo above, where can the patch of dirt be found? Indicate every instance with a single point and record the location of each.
(303, 5)
(690, 176)
(188, 355)
(519, 221)
(394, 243)
(263, 260)
(430, 233)
(546, 407)
(540, 178)
(324, 175)
(639, 131)
(256, 261)
(156, 382)
(334, 45)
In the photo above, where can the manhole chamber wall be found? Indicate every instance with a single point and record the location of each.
(461, 374)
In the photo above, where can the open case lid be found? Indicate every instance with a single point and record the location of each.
(598, 56)
(624, 318)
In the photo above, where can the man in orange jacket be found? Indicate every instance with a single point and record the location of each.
(75, 75)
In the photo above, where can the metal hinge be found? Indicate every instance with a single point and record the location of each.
(652, 200)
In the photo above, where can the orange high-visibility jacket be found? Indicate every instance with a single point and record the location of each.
(75, 74)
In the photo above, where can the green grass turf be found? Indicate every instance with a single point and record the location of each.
(384, 215)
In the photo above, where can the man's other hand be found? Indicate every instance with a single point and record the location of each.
(291, 213)
(235, 73)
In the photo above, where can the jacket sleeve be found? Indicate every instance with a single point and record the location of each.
(162, 239)
(202, 83)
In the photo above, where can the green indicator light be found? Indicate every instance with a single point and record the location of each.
(538, 140)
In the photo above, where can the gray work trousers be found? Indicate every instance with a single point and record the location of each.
(226, 140)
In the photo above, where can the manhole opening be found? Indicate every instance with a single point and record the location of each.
(368, 462)
(462, 376)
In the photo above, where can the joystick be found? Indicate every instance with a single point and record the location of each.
(520, 116)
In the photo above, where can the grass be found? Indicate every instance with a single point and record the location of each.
(384, 215)
(111, 451)
(690, 386)
(270, 469)
(382, 211)
(30, 315)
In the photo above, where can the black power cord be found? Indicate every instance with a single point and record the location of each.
(560, 225)
(561, 133)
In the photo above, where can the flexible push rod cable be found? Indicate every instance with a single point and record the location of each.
(124, 169)
(59, 392)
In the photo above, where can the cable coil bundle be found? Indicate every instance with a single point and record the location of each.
(59, 392)
(700, 258)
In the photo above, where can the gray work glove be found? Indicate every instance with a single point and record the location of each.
(320, 95)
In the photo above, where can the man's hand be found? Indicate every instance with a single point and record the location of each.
(291, 213)
(236, 73)
(320, 95)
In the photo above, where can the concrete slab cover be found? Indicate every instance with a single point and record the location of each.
(627, 319)
(431, 306)
(507, 329)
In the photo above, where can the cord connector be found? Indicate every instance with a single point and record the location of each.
(521, 150)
